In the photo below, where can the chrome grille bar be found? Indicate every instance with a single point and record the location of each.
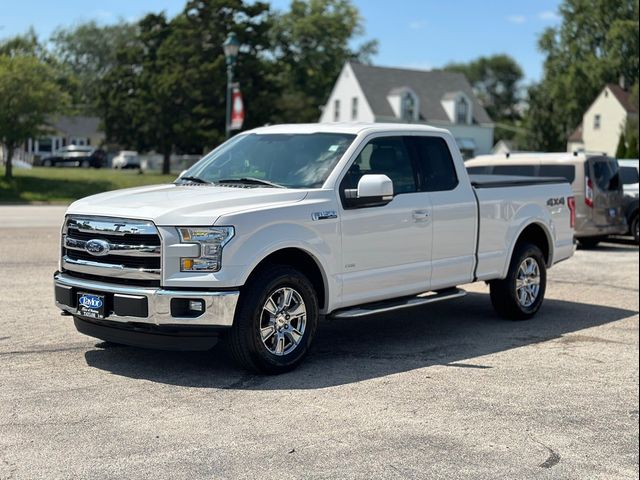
(116, 248)
(109, 269)
(111, 226)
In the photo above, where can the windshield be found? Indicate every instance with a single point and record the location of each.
(606, 173)
(288, 160)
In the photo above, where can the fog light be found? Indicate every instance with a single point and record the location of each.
(196, 305)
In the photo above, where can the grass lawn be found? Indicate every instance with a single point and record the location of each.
(64, 185)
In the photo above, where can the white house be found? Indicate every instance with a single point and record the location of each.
(364, 93)
(603, 122)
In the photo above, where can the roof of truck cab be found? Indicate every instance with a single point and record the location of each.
(349, 128)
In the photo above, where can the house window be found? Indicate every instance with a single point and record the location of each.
(354, 108)
(596, 122)
(462, 111)
(336, 110)
(408, 107)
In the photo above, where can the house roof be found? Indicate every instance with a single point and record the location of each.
(623, 96)
(576, 135)
(430, 87)
(76, 126)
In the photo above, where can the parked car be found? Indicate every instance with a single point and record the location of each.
(595, 182)
(126, 159)
(76, 156)
(629, 176)
(282, 224)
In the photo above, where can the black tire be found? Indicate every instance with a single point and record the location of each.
(85, 164)
(634, 228)
(47, 163)
(504, 296)
(244, 340)
(589, 242)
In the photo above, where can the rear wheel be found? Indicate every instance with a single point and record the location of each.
(520, 295)
(590, 242)
(47, 163)
(275, 322)
(85, 163)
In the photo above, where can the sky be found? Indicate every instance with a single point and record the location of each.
(421, 34)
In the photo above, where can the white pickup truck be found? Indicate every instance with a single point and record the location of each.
(282, 225)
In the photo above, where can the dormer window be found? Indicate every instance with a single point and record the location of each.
(408, 107)
(462, 110)
(405, 104)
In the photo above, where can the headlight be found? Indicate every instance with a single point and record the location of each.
(211, 240)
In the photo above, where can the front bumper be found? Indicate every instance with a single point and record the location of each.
(149, 305)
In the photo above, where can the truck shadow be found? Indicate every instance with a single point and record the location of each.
(449, 333)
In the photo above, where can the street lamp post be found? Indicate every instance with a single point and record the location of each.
(231, 46)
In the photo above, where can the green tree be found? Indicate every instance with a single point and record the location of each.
(28, 95)
(621, 150)
(632, 148)
(632, 126)
(596, 43)
(87, 52)
(496, 82)
(312, 43)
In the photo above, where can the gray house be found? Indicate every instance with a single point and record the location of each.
(364, 93)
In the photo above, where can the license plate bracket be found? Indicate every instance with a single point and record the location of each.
(612, 212)
(91, 305)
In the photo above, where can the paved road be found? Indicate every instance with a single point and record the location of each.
(448, 391)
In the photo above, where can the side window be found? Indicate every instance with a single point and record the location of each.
(516, 170)
(566, 171)
(479, 170)
(437, 171)
(387, 156)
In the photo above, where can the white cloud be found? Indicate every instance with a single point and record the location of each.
(517, 19)
(549, 16)
(417, 24)
(417, 66)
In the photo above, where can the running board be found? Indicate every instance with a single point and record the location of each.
(398, 304)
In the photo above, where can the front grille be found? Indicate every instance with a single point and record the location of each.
(112, 249)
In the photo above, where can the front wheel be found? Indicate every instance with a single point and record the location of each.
(520, 295)
(635, 228)
(275, 322)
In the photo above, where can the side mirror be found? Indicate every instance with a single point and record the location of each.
(372, 191)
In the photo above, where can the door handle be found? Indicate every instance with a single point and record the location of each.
(421, 215)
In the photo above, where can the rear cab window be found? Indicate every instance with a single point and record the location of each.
(568, 172)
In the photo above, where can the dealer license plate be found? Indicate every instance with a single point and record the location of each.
(90, 305)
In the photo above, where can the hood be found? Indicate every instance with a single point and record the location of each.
(175, 205)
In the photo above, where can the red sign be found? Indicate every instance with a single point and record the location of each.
(237, 109)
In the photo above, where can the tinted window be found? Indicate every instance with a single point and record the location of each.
(479, 170)
(565, 171)
(387, 156)
(437, 171)
(605, 173)
(520, 170)
(628, 175)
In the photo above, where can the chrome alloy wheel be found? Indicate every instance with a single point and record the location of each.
(283, 320)
(528, 282)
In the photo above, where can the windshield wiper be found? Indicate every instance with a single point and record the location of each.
(193, 179)
(250, 181)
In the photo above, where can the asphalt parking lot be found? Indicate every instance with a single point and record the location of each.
(448, 391)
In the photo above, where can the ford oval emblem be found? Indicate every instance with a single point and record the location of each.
(97, 247)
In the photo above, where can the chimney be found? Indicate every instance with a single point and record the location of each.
(622, 81)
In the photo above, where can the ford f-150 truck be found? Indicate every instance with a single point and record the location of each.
(283, 225)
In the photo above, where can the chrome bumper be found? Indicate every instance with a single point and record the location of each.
(220, 306)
